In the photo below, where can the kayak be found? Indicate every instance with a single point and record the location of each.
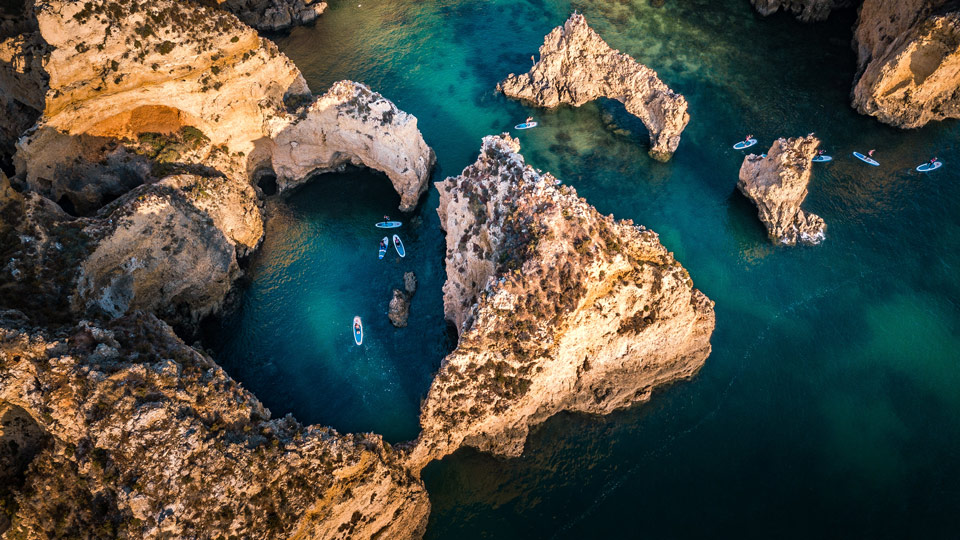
(822, 159)
(399, 245)
(525, 125)
(866, 159)
(744, 144)
(384, 245)
(388, 224)
(927, 167)
(357, 330)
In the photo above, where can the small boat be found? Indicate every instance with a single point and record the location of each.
(525, 125)
(388, 224)
(384, 246)
(927, 167)
(866, 159)
(744, 144)
(399, 245)
(357, 330)
(822, 158)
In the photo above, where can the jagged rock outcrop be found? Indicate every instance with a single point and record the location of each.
(576, 66)
(119, 71)
(136, 435)
(274, 15)
(558, 308)
(169, 247)
(909, 59)
(351, 124)
(804, 10)
(399, 308)
(777, 184)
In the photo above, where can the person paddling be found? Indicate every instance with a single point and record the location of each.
(870, 153)
(528, 120)
(820, 152)
(934, 160)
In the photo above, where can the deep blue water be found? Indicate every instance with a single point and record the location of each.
(830, 405)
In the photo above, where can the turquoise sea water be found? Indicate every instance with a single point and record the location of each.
(830, 405)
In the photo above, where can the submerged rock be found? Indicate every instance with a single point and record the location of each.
(909, 59)
(576, 66)
(130, 433)
(399, 308)
(275, 15)
(777, 184)
(558, 309)
(804, 10)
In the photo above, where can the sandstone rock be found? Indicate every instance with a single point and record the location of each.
(558, 308)
(410, 283)
(399, 308)
(576, 66)
(274, 15)
(777, 184)
(160, 442)
(166, 66)
(804, 10)
(352, 124)
(909, 58)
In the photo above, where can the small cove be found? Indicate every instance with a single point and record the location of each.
(829, 404)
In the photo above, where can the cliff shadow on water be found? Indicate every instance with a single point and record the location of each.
(287, 336)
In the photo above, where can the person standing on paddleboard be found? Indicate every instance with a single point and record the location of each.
(870, 153)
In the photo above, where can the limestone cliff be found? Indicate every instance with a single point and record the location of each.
(274, 15)
(117, 71)
(127, 432)
(804, 10)
(558, 307)
(576, 66)
(352, 124)
(777, 184)
(909, 59)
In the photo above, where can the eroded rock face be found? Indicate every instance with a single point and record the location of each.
(777, 184)
(275, 15)
(351, 124)
(804, 10)
(576, 66)
(164, 444)
(909, 57)
(558, 308)
(117, 72)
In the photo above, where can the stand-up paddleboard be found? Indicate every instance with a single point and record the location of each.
(525, 125)
(763, 155)
(388, 224)
(357, 330)
(744, 144)
(822, 159)
(399, 245)
(866, 159)
(384, 246)
(927, 167)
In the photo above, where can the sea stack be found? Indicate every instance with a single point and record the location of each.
(558, 307)
(909, 61)
(577, 66)
(777, 184)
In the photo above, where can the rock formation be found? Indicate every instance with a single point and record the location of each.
(275, 15)
(777, 184)
(909, 59)
(558, 308)
(804, 10)
(352, 124)
(577, 66)
(129, 433)
(116, 72)
(399, 309)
